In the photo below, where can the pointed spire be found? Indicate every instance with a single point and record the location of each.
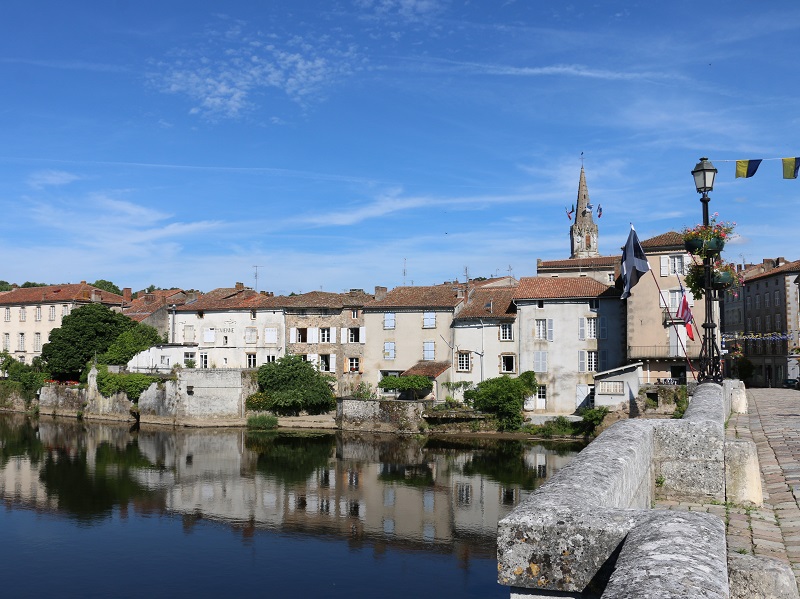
(583, 233)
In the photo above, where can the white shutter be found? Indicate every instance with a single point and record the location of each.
(581, 329)
(313, 335)
(333, 363)
(293, 335)
(250, 335)
(687, 261)
(313, 358)
(664, 266)
(209, 335)
(603, 328)
(188, 333)
(550, 334)
(270, 335)
(333, 334)
(690, 297)
(581, 361)
(388, 350)
(362, 334)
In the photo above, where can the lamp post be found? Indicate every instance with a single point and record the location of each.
(710, 367)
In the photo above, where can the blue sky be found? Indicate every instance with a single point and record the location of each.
(353, 143)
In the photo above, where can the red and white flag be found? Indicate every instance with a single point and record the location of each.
(685, 313)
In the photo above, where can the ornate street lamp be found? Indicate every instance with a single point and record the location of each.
(710, 357)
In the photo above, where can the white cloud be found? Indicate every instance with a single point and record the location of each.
(51, 178)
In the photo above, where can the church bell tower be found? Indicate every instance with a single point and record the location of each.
(583, 232)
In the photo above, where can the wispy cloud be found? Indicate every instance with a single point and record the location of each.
(409, 10)
(225, 77)
(67, 65)
(51, 178)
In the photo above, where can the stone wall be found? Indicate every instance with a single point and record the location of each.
(590, 531)
(380, 415)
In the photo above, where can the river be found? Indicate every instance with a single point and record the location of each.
(96, 510)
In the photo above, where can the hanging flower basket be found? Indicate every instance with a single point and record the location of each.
(722, 280)
(723, 276)
(707, 240)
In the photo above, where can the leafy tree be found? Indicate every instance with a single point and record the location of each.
(86, 332)
(129, 343)
(27, 284)
(415, 385)
(504, 397)
(5, 286)
(292, 385)
(107, 286)
(29, 377)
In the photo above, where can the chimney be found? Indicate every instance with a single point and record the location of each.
(380, 293)
(97, 295)
(239, 286)
(126, 294)
(83, 282)
(149, 298)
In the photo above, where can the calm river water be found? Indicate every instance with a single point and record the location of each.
(94, 510)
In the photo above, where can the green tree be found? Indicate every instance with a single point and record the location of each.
(30, 377)
(129, 343)
(292, 385)
(107, 286)
(85, 333)
(27, 284)
(504, 397)
(413, 385)
(5, 286)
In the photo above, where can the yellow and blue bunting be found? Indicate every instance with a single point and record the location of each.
(790, 167)
(747, 168)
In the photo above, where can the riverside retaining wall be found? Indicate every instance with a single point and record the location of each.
(591, 532)
(380, 415)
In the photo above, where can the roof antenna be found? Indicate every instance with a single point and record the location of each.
(257, 267)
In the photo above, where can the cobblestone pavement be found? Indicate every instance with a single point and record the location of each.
(773, 423)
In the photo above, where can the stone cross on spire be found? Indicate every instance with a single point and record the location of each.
(583, 233)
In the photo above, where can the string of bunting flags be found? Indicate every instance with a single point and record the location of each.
(774, 336)
(747, 168)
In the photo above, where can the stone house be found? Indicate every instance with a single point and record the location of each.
(655, 336)
(328, 329)
(569, 329)
(154, 308)
(28, 315)
(410, 325)
(229, 327)
(486, 335)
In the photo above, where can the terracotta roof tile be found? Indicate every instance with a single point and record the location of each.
(561, 288)
(490, 302)
(325, 299)
(53, 294)
(789, 267)
(427, 368)
(433, 296)
(222, 298)
(669, 240)
(579, 263)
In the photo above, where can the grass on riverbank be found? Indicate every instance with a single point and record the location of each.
(262, 422)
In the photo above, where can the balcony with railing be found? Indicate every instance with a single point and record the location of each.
(641, 352)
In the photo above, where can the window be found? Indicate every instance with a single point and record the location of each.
(252, 314)
(464, 493)
(388, 350)
(429, 320)
(325, 362)
(250, 335)
(594, 304)
(325, 335)
(188, 357)
(428, 350)
(766, 299)
(767, 323)
(541, 392)
(590, 330)
(270, 359)
(463, 361)
(506, 332)
(22, 315)
(302, 335)
(203, 360)
(209, 335)
(354, 313)
(540, 361)
(353, 364)
(270, 336)
(758, 324)
(51, 313)
(758, 302)
(6, 341)
(354, 335)
(38, 314)
(8, 314)
(200, 314)
(540, 303)
(65, 310)
(37, 342)
(224, 340)
(21, 342)
(508, 363)
(165, 360)
(544, 328)
(777, 298)
(676, 265)
(587, 361)
(251, 360)
(388, 320)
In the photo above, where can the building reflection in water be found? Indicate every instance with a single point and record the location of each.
(440, 494)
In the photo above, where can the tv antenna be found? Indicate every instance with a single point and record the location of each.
(257, 267)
